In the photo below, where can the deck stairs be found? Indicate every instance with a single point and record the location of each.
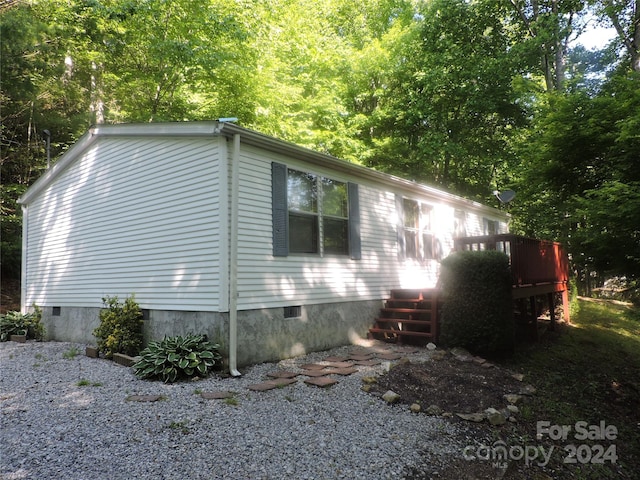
(408, 316)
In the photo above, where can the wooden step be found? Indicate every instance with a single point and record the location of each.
(404, 321)
(408, 303)
(412, 293)
(409, 311)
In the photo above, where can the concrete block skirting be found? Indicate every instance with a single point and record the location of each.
(263, 335)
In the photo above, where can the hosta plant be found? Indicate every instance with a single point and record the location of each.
(16, 323)
(178, 357)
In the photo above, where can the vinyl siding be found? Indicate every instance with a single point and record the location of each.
(265, 281)
(131, 215)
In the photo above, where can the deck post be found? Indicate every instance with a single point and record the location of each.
(534, 317)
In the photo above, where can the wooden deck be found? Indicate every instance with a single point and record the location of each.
(539, 270)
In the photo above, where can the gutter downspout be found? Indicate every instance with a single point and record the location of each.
(23, 265)
(233, 259)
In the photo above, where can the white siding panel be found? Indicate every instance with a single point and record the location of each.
(130, 216)
(266, 281)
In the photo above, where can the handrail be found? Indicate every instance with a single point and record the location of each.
(532, 261)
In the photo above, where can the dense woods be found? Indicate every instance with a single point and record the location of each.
(471, 96)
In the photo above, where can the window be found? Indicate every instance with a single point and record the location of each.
(460, 223)
(491, 227)
(411, 220)
(418, 240)
(314, 214)
(302, 195)
(335, 217)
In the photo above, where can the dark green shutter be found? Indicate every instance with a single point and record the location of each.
(355, 249)
(402, 251)
(280, 211)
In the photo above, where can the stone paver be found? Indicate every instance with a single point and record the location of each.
(361, 357)
(271, 384)
(315, 373)
(336, 359)
(367, 363)
(342, 371)
(339, 364)
(283, 374)
(322, 382)
(312, 366)
(143, 398)
(216, 395)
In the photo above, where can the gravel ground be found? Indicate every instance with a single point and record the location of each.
(53, 428)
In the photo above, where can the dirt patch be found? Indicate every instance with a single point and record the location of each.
(9, 295)
(466, 384)
(452, 384)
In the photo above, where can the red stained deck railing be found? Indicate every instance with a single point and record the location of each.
(533, 262)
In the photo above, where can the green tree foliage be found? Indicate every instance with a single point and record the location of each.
(450, 104)
(624, 16)
(468, 95)
(581, 183)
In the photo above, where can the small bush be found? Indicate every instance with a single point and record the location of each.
(120, 329)
(16, 323)
(178, 357)
(477, 310)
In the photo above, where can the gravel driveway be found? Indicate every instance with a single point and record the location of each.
(67, 417)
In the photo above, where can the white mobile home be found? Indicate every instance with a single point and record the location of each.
(272, 249)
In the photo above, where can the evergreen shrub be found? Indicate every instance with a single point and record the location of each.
(477, 309)
(120, 329)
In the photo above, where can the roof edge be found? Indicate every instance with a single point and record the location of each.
(248, 136)
(58, 167)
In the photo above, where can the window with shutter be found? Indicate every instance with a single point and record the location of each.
(314, 214)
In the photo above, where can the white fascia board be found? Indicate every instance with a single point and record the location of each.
(172, 129)
(251, 137)
(52, 173)
(189, 129)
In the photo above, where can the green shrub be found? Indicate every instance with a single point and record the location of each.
(178, 357)
(477, 310)
(120, 329)
(574, 305)
(16, 323)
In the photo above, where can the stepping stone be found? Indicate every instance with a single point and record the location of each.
(360, 358)
(322, 382)
(283, 382)
(336, 359)
(339, 364)
(216, 395)
(262, 387)
(389, 356)
(312, 366)
(342, 371)
(283, 374)
(271, 384)
(316, 373)
(143, 398)
(367, 363)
